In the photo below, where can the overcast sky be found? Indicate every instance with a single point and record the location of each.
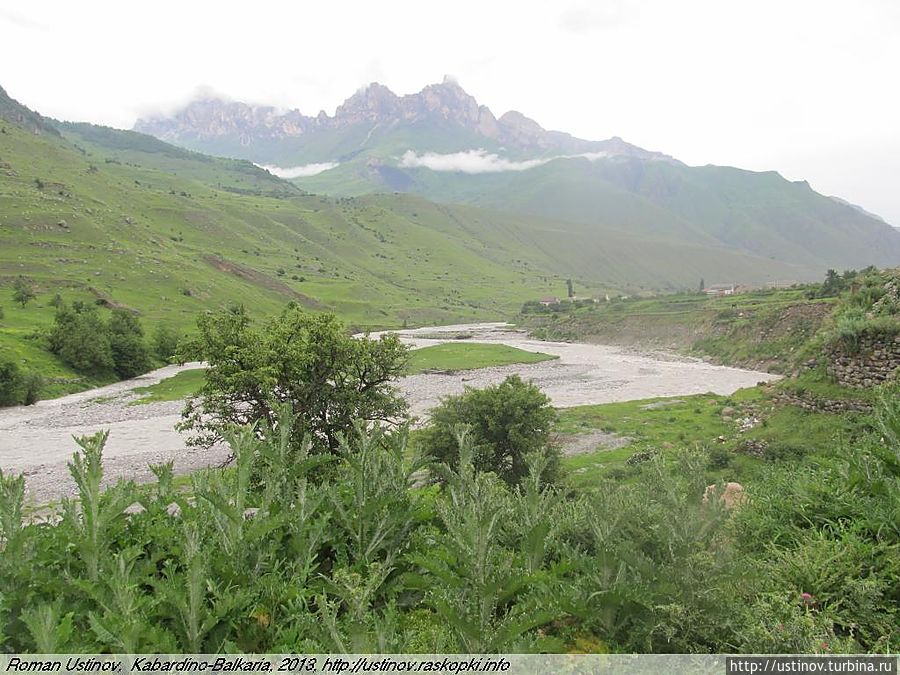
(806, 87)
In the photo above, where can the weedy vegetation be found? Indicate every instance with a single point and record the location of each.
(349, 537)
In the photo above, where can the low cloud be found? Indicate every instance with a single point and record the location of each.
(302, 171)
(481, 161)
(20, 20)
(593, 156)
(470, 161)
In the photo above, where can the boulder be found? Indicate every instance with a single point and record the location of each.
(730, 495)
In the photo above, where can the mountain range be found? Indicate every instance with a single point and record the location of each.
(440, 117)
(441, 144)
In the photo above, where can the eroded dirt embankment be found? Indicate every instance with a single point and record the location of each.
(37, 440)
(744, 331)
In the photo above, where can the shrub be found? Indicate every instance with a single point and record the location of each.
(780, 451)
(719, 458)
(11, 383)
(92, 346)
(17, 387)
(165, 342)
(848, 328)
(81, 339)
(506, 422)
(641, 456)
(33, 384)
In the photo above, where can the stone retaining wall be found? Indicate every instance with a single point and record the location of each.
(813, 404)
(877, 360)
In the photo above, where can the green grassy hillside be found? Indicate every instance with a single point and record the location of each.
(170, 236)
(123, 220)
(759, 213)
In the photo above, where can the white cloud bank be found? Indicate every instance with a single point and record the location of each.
(302, 171)
(481, 161)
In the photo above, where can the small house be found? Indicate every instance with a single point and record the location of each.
(716, 290)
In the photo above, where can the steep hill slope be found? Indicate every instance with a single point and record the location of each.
(597, 255)
(761, 213)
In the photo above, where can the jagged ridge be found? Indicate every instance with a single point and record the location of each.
(210, 118)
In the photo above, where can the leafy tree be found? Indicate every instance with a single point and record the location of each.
(23, 291)
(507, 422)
(81, 339)
(570, 288)
(11, 383)
(848, 276)
(126, 340)
(165, 341)
(308, 361)
(702, 284)
(832, 285)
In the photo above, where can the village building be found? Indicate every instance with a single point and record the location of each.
(716, 290)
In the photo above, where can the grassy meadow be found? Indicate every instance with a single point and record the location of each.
(742, 432)
(452, 356)
(184, 384)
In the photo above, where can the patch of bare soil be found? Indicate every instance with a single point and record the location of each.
(259, 279)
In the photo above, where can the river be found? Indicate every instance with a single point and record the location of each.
(37, 440)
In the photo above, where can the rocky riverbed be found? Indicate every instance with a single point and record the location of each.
(38, 440)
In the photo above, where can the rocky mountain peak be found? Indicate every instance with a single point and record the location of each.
(515, 119)
(210, 119)
(446, 100)
(372, 102)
